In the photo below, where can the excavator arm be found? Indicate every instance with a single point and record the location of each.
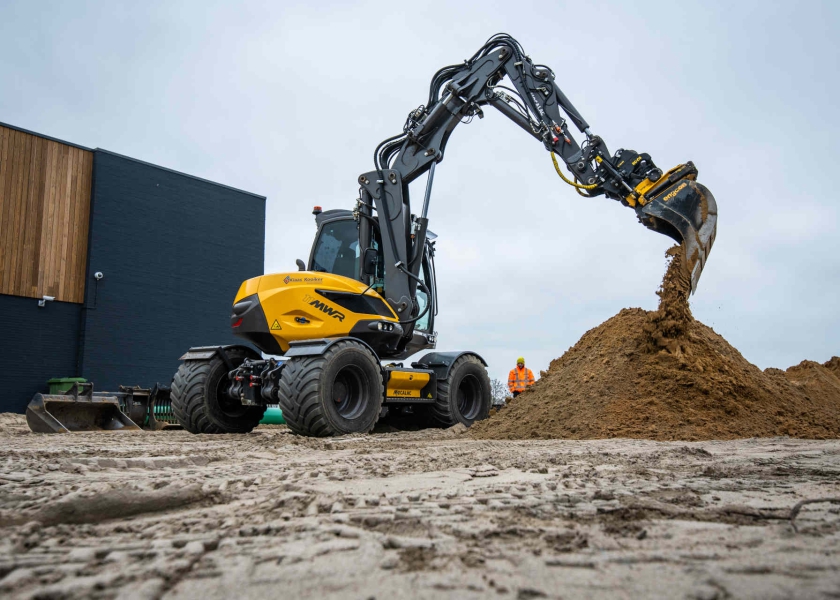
(671, 203)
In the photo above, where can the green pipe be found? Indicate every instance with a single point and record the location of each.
(273, 416)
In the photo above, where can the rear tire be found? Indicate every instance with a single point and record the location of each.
(336, 393)
(464, 396)
(200, 401)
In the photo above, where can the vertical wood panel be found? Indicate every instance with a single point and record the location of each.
(25, 265)
(12, 195)
(83, 226)
(55, 194)
(4, 205)
(20, 220)
(45, 218)
(45, 191)
(48, 155)
(32, 290)
(79, 223)
(66, 233)
(55, 222)
(4, 162)
(8, 204)
(67, 278)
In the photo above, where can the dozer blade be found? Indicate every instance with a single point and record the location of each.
(60, 413)
(687, 212)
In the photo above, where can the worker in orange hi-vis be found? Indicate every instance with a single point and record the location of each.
(520, 378)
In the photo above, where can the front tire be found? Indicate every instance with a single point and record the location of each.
(336, 393)
(200, 401)
(464, 396)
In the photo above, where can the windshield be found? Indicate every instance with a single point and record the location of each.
(337, 250)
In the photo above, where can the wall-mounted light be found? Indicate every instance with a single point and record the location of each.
(44, 299)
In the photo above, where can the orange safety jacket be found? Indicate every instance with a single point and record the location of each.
(519, 379)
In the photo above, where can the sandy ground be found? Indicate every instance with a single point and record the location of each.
(426, 514)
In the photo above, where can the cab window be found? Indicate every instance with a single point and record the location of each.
(337, 250)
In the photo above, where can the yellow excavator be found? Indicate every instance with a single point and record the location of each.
(368, 292)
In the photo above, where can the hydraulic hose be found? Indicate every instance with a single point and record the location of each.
(579, 186)
(428, 295)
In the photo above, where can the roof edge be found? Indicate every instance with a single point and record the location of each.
(46, 137)
(142, 162)
(148, 164)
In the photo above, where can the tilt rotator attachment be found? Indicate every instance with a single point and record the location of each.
(672, 204)
(684, 210)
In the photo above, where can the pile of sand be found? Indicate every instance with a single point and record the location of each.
(663, 375)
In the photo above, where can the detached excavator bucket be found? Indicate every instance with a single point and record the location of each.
(687, 212)
(75, 411)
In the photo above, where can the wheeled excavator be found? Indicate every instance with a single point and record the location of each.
(368, 292)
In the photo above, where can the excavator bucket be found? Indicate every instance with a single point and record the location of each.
(78, 410)
(687, 212)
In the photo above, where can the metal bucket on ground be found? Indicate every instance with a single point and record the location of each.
(78, 410)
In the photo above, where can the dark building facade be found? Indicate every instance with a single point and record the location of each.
(36, 345)
(171, 249)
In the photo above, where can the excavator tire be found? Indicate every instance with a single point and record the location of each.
(200, 402)
(464, 396)
(335, 393)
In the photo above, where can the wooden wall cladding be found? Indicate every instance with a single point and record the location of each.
(44, 216)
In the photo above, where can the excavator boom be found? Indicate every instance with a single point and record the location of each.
(671, 203)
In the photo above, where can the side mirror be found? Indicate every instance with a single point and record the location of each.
(370, 260)
(300, 265)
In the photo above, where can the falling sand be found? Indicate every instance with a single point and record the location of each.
(663, 375)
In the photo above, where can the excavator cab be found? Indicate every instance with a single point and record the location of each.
(337, 250)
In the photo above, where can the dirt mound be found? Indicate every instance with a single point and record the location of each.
(833, 365)
(663, 375)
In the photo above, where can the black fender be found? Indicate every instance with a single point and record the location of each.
(318, 347)
(441, 362)
(208, 352)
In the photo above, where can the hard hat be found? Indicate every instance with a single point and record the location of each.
(520, 360)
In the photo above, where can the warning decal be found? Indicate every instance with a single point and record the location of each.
(276, 325)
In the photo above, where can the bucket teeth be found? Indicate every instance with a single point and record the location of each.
(687, 213)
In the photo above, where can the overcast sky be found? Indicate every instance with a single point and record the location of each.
(289, 100)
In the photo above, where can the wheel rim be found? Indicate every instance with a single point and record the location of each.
(349, 392)
(469, 397)
(230, 407)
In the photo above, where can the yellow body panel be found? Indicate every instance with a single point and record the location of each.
(646, 184)
(405, 384)
(248, 288)
(295, 311)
